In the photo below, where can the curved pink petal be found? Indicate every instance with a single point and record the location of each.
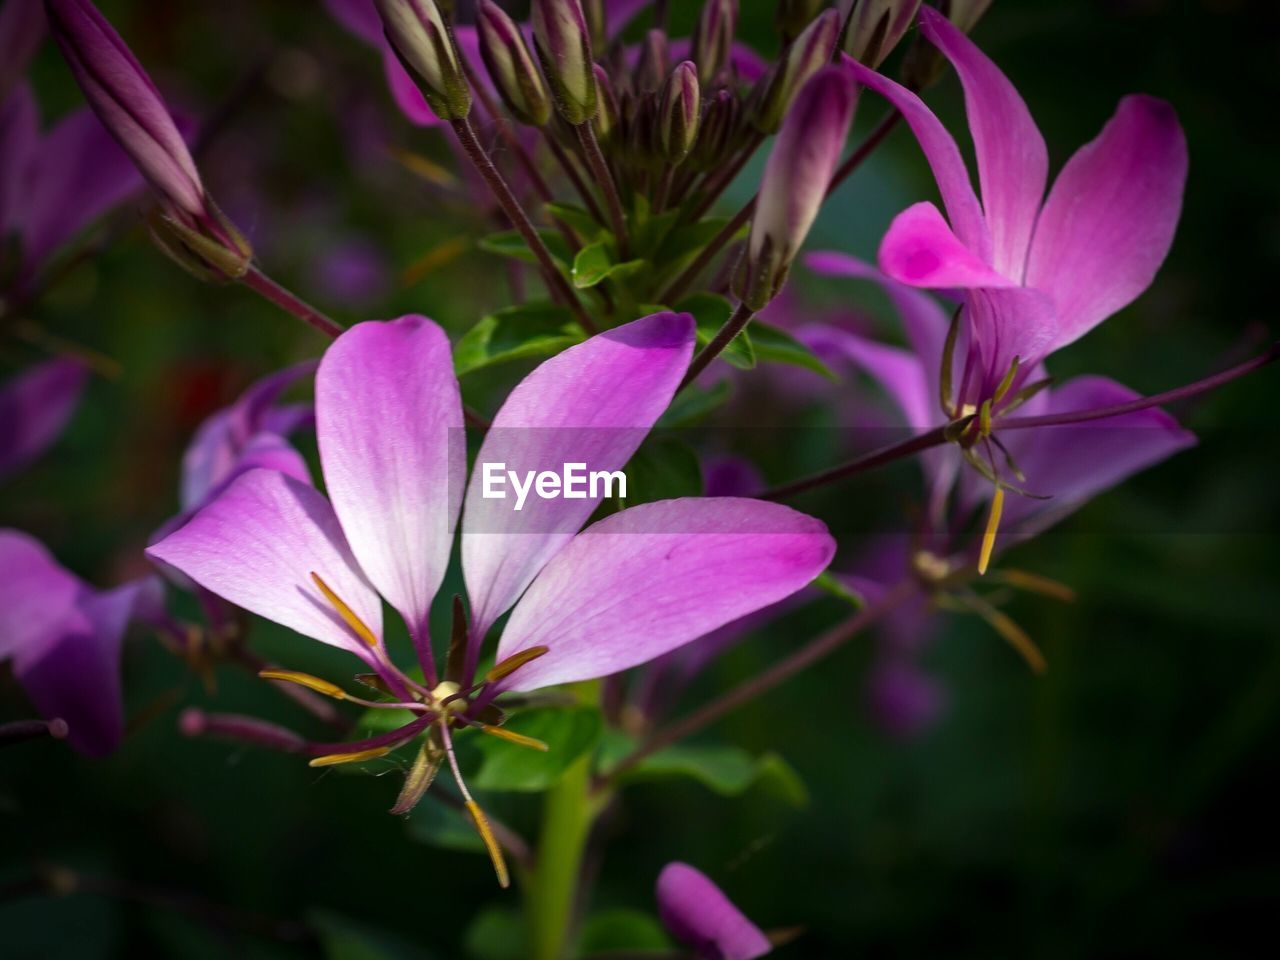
(699, 915)
(1004, 324)
(393, 450)
(920, 250)
(592, 404)
(22, 25)
(1013, 164)
(1111, 215)
(36, 593)
(943, 155)
(898, 371)
(35, 408)
(257, 545)
(647, 580)
(1071, 464)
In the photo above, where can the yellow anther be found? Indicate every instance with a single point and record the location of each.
(514, 663)
(512, 737)
(989, 535)
(305, 680)
(332, 759)
(490, 843)
(346, 613)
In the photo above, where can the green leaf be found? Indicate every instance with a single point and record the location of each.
(568, 732)
(621, 929)
(825, 581)
(712, 311)
(662, 469)
(344, 939)
(497, 933)
(774, 345)
(537, 329)
(594, 264)
(510, 244)
(688, 241)
(582, 223)
(693, 403)
(729, 771)
(438, 824)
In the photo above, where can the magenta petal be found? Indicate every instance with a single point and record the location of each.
(649, 579)
(257, 545)
(389, 424)
(1018, 322)
(36, 594)
(405, 92)
(1111, 215)
(1071, 464)
(920, 250)
(943, 155)
(1013, 164)
(898, 371)
(360, 17)
(35, 408)
(592, 404)
(699, 915)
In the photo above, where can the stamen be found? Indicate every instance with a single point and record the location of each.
(512, 737)
(1007, 382)
(356, 756)
(348, 615)
(1004, 625)
(514, 663)
(948, 360)
(305, 680)
(420, 777)
(482, 823)
(989, 535)
(1034, 583)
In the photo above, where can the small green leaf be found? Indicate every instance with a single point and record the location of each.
(537, 329)
(664, 468)
(568, 732)
(594, 264)
(510, 244)
(729, 771)
(583, 223)
(774, 345)
(620, 929)
(688, 241)
(825, 581)
(437, 824)
(497, 933)
(712, 311)
(693, 403)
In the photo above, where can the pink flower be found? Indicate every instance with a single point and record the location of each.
(698, 914)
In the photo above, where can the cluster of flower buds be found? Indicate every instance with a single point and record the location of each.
(189, 227)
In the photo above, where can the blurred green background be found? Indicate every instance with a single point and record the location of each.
(1120, 806)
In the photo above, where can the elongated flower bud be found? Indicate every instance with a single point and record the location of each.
(795, 181)
(128, 103)
(965, 14)
(651, 71)
(713, 38)
(420, 37)
(507, 58)
(680, 111)
(793, 16)
(924, 63)
(597, 17)
(810, 52)
(717, 131)
(875, 27)
(608, 115)
(564, 48)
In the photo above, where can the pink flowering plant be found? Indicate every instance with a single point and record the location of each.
(528, 540)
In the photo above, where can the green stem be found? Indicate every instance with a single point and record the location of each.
(551, 896)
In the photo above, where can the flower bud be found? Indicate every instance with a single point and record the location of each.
(810, 52)
(564, 48)
(597, 19)
(421, 39)
(924, 63)
(608, 115)
(651, 71)
(717, 131)
(875, 27)
(507, 58)
(795, 182)
(965, 14)
(679, 112)
(713, 38)
(792, 16)
(127, 103)
(215, 252)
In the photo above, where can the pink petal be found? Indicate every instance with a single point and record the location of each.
(1072, 464)
(389, 424)
(359, 17)
(1111, 215)
(898, 371)
(699, 915)
(35, 408)
(593, 404)
(654, 577)
(1004, 324)
(257, 545)
(1013, 164)
(920, 250)
(36, 593)
(943, 155)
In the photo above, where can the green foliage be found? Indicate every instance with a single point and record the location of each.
(497, 933)
(537, 329)
(662, 469)
(568, 732)
(344, 939)
(621, 929)
(595, 263)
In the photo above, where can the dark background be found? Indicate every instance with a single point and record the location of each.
(1121, 806)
